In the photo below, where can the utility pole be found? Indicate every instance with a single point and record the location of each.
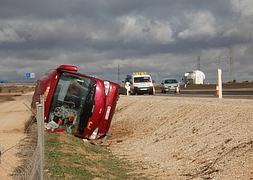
(218, 62)
(198, 63)
(231, 65)
(118, 74)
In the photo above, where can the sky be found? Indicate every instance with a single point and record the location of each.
(113, 38)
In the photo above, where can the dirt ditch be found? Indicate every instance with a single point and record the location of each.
(185, 138)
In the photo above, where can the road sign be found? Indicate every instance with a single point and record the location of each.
(30, 75)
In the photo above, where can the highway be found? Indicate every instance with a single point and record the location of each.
(244, 93)
(227, 93)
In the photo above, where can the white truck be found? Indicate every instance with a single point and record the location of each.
(140, 83)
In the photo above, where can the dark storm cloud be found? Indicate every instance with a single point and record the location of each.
(34, 8)
(100, 35)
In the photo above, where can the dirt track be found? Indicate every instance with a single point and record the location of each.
(185, 138)
(13, 115)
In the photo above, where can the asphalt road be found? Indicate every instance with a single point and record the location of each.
(235, 93)
(242, 92)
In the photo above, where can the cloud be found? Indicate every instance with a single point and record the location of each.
(139, 28)
(162, 37)
(243, 7)
(201, 25)
(7, 34)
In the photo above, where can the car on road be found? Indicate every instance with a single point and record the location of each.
(169, 85)
(80, 104)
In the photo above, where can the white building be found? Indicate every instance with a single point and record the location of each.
(194, 77)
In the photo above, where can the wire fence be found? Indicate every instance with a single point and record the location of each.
(31, 151)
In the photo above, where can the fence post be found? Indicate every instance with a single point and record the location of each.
(42, 101)
(41, 137)
(40, 123)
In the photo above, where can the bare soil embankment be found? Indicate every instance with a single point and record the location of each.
(185, 138)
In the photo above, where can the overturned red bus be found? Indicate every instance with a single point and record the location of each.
(81, 104)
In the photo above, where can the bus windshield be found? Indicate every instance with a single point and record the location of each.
(70, 98)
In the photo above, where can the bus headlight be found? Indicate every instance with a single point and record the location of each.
(94, 134)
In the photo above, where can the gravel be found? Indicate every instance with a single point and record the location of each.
(184, 137)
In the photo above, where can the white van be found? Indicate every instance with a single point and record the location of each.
(140, 83)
